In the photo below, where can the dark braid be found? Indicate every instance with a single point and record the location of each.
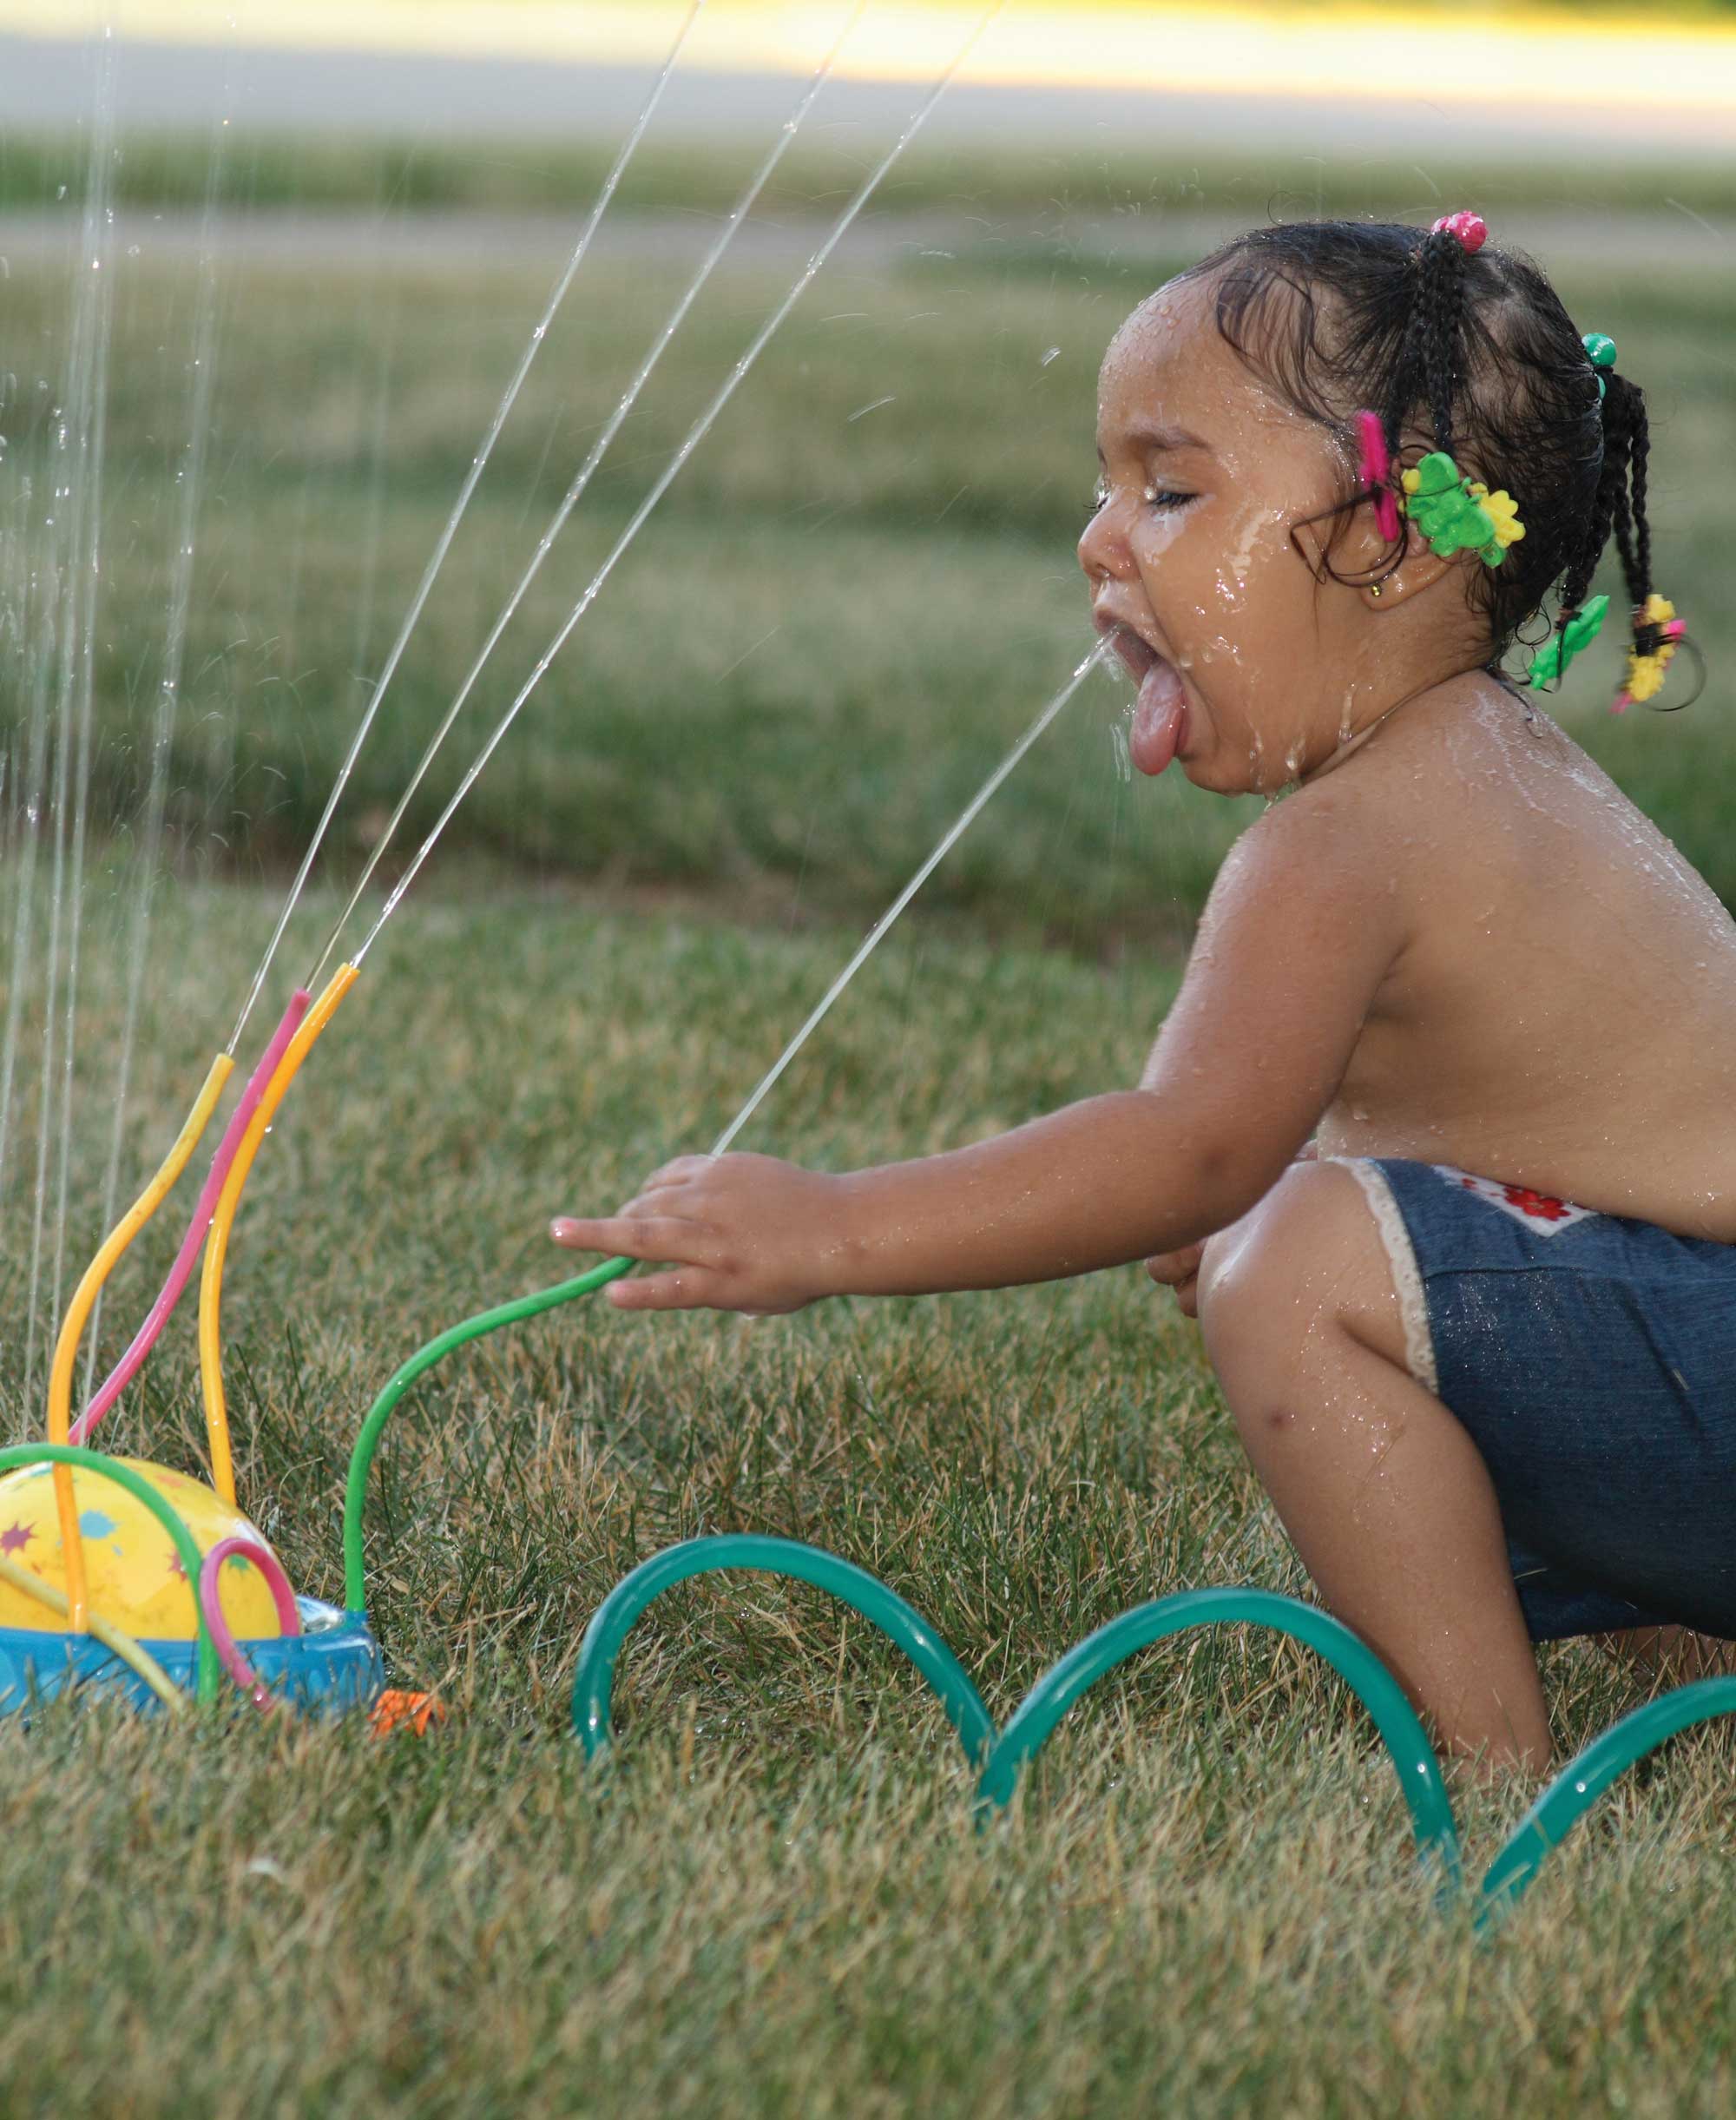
(1475, 347)
(1434, 351)
(1621, 506)
(1611, 499)
(1632, 532)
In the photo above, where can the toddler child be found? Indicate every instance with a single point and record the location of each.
(1435, 1141)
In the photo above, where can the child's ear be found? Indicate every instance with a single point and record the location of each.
(1352, 547)
(1420, 569)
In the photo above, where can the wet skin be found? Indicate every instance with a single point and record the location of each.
(1454, 939)
(1548, 989)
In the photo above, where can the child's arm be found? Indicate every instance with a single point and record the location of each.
(1301, 928)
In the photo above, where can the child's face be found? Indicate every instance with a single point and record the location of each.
(1191, 554)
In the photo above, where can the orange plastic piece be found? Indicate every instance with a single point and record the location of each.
(396, 1710)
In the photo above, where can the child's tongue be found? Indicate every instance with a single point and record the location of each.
(1160, 716)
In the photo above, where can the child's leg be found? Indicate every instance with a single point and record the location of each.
(1381, 1488)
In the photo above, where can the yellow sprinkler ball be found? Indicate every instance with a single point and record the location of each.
(135, 1577)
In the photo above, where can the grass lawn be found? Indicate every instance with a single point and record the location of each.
(772, 1901)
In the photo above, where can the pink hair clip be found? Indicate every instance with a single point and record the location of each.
(1472, 229)
(1377, 465)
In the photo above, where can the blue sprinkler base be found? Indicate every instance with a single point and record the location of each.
(333, 1665)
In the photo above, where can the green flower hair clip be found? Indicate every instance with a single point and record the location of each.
(1457, 513)
(1553, 656)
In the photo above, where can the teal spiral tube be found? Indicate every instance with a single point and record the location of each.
(1579, 1784)
(902, 1625)
(1001, 1760)
(1413, 1758)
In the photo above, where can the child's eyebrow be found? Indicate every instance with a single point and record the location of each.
(1146, 436)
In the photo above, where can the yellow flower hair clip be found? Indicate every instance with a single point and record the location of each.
(1503, 510)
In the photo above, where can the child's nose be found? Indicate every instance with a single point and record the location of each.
(1103, 550)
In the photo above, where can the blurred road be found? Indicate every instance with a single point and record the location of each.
(48, 81)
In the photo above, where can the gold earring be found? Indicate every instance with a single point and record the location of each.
(1374, 589)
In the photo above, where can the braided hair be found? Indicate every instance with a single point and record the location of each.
(1476, 350)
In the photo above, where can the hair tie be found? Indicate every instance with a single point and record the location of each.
(1469, 230)
(1656, 630)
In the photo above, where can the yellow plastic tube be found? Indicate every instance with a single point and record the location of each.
(133, 1654)
(79, 1310)
(217, 1243)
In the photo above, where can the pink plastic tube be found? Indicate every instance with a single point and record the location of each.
(129, 1364)
(211, 1604)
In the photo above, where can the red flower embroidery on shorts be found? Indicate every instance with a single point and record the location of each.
(1541, 1212)
(1538, 1204)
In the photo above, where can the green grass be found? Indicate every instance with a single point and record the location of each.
(835, 625)
(773, 1902)
(269, 171)
(1204, 1899)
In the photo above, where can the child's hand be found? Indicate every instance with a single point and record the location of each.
(1180, 1270)
(747, 1233)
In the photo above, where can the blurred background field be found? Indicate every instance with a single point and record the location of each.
(856, 596)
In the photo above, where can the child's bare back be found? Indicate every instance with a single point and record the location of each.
(1563, 1014)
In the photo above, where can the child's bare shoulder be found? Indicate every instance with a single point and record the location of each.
(1466, 777)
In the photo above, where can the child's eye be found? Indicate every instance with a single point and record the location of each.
(1154, 496)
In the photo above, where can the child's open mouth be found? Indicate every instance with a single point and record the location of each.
(1160, 712)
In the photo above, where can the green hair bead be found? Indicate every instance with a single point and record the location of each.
(1600, 351)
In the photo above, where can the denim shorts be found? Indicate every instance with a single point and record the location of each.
(1591, 1359)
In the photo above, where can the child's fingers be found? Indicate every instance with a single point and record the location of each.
(683, 1291)
(670, 1177)
(1168, 1269)
(660, 1237)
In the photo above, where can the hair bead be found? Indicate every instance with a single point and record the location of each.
(1469, 230)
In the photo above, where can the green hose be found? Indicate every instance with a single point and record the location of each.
(186, 1545)
(362, 1458)
(593, 1683)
